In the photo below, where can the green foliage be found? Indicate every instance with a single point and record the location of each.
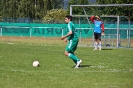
(35, 9)
(77, 10)
(119, 10)
(55, 15)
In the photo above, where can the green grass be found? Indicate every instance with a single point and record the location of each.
(109, 68)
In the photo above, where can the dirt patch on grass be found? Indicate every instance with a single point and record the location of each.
(30, 39)
(50, 40)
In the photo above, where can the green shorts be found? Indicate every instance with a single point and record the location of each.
(72, 46)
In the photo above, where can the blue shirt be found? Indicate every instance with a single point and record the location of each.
(97, 26)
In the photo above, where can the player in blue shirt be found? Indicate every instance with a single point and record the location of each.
(72, 39)
(98, 31)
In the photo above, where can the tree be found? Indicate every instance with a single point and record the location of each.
(77, 10)
(121, 11)
(35, 9)
(57, 4)
(55, 16)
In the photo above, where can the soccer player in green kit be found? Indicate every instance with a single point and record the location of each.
(72, 39)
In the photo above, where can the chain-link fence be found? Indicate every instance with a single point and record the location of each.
(84, 30)
(85, 34)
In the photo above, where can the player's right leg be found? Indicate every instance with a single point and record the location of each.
(74, 60)
(99, 41)
(95, 43)
(72, 56)
(77, 62)
(70, 48)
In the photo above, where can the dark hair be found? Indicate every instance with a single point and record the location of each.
(69, 17)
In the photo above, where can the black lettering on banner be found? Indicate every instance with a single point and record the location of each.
(36, 31)
(50, 31)
(25, 30)
(86, 31)
(78, 31)
(6, 30)
(65, 31)
(81, 30)
(11, 30)
(16, 30)
(43, 30)
(58, 31)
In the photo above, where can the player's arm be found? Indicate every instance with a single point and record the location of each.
(68, 34)
(92, 18)
(102, 26)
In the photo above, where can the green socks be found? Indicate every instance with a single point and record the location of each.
(73, 57)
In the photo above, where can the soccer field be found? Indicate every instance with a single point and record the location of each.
(109, 68)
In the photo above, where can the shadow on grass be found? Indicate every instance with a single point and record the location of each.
(85, 66)
(107, 49)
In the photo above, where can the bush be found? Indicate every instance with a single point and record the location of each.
(55, 16)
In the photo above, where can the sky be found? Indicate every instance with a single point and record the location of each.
(66, 3)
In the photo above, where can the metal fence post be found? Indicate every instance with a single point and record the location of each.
(118, 38)
(129, 42)
(1, 31)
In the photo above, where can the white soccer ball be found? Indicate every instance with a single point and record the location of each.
(36, 63)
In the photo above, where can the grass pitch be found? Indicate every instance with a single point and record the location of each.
(109, 68)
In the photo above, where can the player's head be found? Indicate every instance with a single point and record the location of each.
(68, 18)
(97, 17)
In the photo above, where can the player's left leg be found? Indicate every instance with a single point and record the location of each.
(99, 41)
(96, 41)
(72, 56)
(74, 60)
(74, 48)
(100, 45)
(71, 47)
(70, 51)
(95, 45)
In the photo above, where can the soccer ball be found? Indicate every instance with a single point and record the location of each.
(36, 63)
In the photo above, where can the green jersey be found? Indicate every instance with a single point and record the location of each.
(72, 28)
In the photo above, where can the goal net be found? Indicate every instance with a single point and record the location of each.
(118, 31)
